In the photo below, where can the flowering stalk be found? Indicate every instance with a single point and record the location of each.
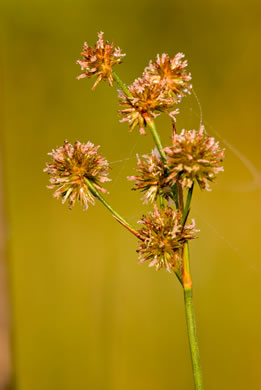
(77, 173)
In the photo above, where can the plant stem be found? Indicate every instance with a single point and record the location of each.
(122, 86)
(187, 206)
(191, 323)
(155, 136)
(180, 197)
(119, 218)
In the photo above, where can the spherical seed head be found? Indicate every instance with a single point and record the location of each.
(151, 178)
(69, 169)
(164, 238)
(172, 71)
(194, 156)
(98, 61)
(148, 101)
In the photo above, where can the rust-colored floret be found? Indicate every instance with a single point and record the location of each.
(164, 237)
(151, 179)
(194, 156)
(69, 169)
(172, 71)
(98, 61)
(148, 100)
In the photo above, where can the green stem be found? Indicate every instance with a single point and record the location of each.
(122, 86)
(187, 206)
(179, 276)
(155, 136)
(191, 323)
(180, 197)
(119, 218)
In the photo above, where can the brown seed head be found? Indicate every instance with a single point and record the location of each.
(98, 61)
(164, 238)
(151, 178)
(69, 169)
(194, 156)
(172, 71)
(148, 101)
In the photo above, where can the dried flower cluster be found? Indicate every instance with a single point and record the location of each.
(194, 156)
(164, 237)
(161, 86)
(151, 179)
(99, 61)
(172, 71)
(77, 172)
(69, 169)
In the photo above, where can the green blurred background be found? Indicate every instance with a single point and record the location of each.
(84, 315)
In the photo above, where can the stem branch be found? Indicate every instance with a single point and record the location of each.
(155, 136)
(187, 206)
(119, 218)
(180, 197)
(122, 86)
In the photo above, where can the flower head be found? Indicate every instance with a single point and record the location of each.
(147, 101)
(164, 237)
(98, 61)
(69, 169)
(172, 71)
(151, 178)
(194, 156)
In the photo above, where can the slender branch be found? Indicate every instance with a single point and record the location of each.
(155, 136)
(122, 86)
(187, 206)
(191, 323)
(119, 218)
(180, 197)
(179, 276)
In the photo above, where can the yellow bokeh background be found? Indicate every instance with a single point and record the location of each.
(84, 314)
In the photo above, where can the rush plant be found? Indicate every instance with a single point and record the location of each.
(166, 177)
